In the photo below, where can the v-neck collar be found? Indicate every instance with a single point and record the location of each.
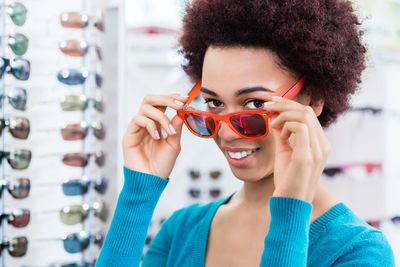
(201, 245)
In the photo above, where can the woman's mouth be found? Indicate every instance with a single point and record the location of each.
(241, 158)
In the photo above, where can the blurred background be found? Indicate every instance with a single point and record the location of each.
(75, 73)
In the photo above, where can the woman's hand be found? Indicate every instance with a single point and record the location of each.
(301, 149)
(144, 147)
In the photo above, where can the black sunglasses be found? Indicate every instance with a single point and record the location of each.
(18, 67)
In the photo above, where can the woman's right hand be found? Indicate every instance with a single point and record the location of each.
(144, 147)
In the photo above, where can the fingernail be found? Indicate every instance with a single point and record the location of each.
(186, 96)
(178, 103)
(275, 97)
(269, 103)
(172, 129)
(157, 134)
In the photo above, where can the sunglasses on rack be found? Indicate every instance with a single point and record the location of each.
(75, 48)
(80, 103)
(76, 20)
(195, 174)
(18, 67)
(75, 214)
(16, 247)
(18, 188)
(17, 12)
(82, 159)
(77, 77)
(18, 43)
(249, 124)
(79, 131)
(369, 167)
(19, 127)
(196, 192)
(19, 159)
(17, 98)
(77, 187)
(17, 217)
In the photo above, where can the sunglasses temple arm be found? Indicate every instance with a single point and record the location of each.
(294, 90)
(193, 93)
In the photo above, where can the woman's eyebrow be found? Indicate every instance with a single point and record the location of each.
(240, 92)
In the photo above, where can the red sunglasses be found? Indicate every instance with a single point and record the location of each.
(249, 124)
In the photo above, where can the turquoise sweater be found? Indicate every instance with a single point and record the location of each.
(337, 238)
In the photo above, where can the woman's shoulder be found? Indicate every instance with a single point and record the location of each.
(345, 234)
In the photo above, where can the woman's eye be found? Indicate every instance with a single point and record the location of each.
(213, 103)
(255, 104)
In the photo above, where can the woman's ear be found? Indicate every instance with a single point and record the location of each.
(317, 106)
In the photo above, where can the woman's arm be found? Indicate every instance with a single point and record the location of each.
(286, 243)
(126, 236)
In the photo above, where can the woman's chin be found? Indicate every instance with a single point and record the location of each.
(250, 175)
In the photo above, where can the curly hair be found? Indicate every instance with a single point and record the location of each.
(319, 39)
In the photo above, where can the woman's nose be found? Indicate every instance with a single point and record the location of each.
(226, 133)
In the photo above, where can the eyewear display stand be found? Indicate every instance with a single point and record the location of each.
(88, 144)
(3, 14)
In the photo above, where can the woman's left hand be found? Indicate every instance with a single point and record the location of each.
(301, 149)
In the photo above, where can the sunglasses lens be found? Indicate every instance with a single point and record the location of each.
(75, 187)
(215, 192)
(20, 218)
(215, 174)
(249, 124)
(74, 132)
(72, 76)
(76, 159)
(18, 44)
(76, 242)
(99, 131)
(20, 159)
(73, 20)
(20, 127)
(100, 159)
(3, 65)
(74, 48)
(99, 106)
(18, 98)
(332, 171)
(195, 193)
(74, 103)
(101, 185)
(200, 124)
(20, 188)
(21, 69)
(100, 210)
(17, 12)
(99, 80)
(18, 246)
(73, 214)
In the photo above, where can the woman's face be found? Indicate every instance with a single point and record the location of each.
(226, 72)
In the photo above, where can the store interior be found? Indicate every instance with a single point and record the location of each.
(73, 73)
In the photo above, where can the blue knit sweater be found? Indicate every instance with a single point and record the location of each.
(337, 238)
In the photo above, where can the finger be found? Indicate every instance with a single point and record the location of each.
(301, 146)
(139, 122)
(279, 105)
(174, 140)
(160, 117)
(308, 117)
(174, 101)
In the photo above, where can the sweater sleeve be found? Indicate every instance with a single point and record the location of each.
(124, 243)
(369, 249)
(286, 243)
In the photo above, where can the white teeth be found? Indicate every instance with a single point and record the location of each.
(240, 155)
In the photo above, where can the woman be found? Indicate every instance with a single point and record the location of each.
(245, 52)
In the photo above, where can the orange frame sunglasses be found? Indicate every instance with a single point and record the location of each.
(249, 124)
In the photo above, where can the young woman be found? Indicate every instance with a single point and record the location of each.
(246, 52)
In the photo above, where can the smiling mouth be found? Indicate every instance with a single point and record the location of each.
(241, 154)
